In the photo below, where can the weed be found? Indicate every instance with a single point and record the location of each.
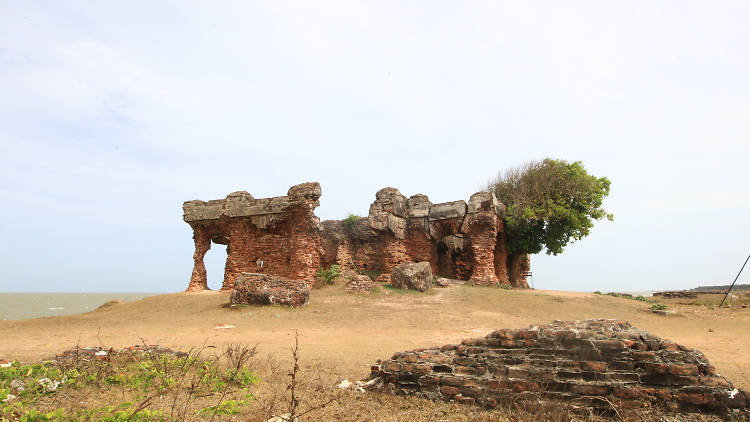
(150, 383)
(329, 274)
(658, 307)
(350, 220)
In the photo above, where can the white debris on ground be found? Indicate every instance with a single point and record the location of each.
(49, 384)
(101, 353)
(5, 364)
(17, 386)
(9, 398)
(361, 386)
(286, 417)
(223, 326)
(732, 393)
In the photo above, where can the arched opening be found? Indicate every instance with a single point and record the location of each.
(215, 262)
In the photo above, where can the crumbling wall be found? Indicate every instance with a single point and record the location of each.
(579, 360)
(279, 236)
(460, 240)
(282, 236)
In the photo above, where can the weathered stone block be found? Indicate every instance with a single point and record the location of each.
(446, 210)
(410, 275)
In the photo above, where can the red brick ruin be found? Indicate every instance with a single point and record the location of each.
(283, 237)
(601, 363)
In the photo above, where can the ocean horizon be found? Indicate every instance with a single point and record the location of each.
(15, 306)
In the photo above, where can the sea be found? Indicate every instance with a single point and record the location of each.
(38, 305)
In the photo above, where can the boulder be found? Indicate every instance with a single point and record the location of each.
(266, 289)
(412, 275)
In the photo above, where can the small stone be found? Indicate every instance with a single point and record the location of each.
(442, 282)
(16, 386)
(344, 384)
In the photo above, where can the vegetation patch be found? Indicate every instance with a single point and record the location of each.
(350, 220)
(142, 384)
(329, 274)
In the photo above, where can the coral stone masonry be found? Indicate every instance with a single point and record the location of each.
(597, 362)
(283, 237)
(278, 236)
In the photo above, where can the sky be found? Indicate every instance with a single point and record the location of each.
(114, 113)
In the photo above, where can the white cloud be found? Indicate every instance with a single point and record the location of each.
(115, 113)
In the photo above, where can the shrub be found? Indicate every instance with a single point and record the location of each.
(350, 219)
(329, 274)
(658, 307)
(640, 298)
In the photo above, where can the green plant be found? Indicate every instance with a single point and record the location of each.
(640, 298)
(350, 219)
(620, 295)
(329, 274)
(505, 286)
(550, 203)
(597, 292)
(658, 307)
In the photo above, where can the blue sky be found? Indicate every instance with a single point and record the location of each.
(112, 114)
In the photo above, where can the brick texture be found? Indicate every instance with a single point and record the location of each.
(564, 360)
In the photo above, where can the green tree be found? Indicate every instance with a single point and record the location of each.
(550, 203)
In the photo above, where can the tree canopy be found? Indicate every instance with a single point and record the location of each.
(550, 203)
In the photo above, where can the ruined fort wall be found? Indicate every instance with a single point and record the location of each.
(277, 236)
(282, 236)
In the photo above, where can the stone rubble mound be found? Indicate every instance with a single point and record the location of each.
(581, 360)
(266, 289)
(357, 282)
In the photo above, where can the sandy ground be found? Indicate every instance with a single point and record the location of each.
(351, 331)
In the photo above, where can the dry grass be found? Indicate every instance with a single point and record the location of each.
(342, 334)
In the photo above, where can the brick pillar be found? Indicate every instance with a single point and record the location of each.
(305, 248)
(198, 280)
(483, 251)
(482, 230)
(501, 257)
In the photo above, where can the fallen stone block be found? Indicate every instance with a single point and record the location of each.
(266, 289)
(412, 275)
